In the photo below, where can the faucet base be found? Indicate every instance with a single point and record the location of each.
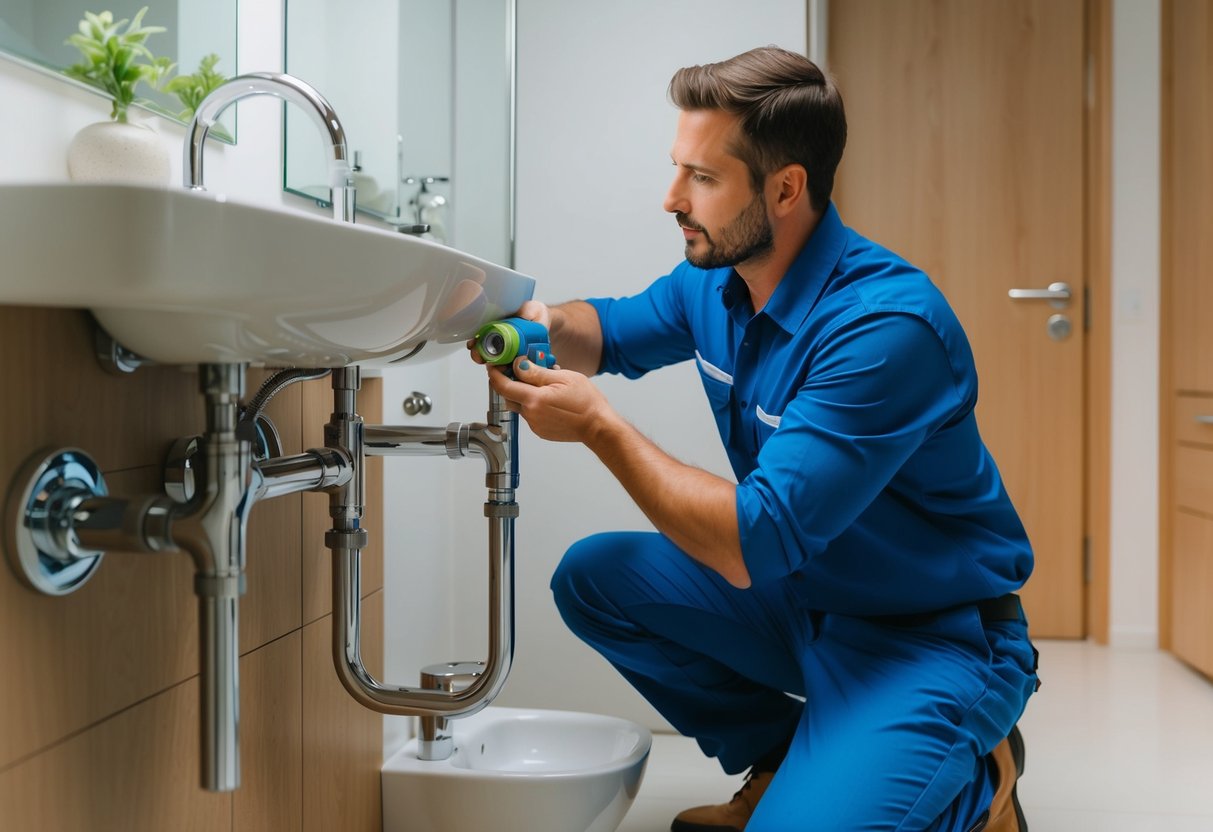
(435, 739)
(47, 484)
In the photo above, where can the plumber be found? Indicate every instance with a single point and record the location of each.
(841, 620)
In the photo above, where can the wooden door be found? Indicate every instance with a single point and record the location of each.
(966, 156)
(1186, 568)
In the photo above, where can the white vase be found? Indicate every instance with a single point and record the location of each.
(117, 152)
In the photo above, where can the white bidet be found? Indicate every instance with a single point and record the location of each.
(518, 769)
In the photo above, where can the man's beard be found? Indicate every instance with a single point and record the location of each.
(748, 237)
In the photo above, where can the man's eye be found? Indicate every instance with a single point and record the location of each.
(700, 178)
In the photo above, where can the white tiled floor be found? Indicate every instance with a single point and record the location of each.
(1117, 741)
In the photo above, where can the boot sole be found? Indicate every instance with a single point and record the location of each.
(1019, 754)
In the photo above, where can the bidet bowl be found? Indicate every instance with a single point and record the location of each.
(519, 769)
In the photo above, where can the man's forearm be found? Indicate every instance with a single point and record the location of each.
(695, 509)
(577, 337)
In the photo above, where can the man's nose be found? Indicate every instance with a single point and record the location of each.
(675, 198)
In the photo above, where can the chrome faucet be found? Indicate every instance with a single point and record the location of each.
(288, 88)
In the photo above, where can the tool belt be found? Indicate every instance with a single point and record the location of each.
(1003, 608)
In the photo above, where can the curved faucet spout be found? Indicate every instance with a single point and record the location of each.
(288, 88)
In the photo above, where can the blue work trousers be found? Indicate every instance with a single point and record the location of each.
(897, 720)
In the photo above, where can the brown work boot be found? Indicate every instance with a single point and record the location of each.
(1005, 814)
(726, 817)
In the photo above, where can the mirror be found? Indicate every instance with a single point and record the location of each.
(424, 89)
(34, 33)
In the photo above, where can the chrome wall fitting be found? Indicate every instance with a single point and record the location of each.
(179, 469)
(45, 555)
(417, 402)
(181, 462)
(114, 358)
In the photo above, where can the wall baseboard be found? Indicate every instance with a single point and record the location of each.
(1134, 638)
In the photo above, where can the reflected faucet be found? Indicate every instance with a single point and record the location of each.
(288, 88)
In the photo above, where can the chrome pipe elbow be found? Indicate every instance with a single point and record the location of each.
(495, 444)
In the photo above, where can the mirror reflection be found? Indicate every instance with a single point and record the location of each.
(35, 33)
(424, 91)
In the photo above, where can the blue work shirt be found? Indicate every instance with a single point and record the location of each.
(846, 408)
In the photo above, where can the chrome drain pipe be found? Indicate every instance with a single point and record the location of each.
(493, 441)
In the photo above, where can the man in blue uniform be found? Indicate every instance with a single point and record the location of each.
(840, 620)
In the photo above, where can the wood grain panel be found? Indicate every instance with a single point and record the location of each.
(343, 741)
(1192, 622)
(132, 631)
(138, 771)
(129, 633)
(317, 562)
(1185, 581)
(1192, 419)
(270, 798)
(1193, 480)
(61, 396)
(1188, 192)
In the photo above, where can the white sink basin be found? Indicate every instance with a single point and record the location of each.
(185, 277)
(520, 770)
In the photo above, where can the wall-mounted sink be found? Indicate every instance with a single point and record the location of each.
(187, 277)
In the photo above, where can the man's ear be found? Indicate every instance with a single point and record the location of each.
(788, 186)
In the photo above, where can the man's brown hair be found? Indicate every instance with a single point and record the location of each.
(789, 112)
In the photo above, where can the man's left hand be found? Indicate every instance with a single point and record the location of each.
(559, 405)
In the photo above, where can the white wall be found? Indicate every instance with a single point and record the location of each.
(594, 134)
(1135, 328)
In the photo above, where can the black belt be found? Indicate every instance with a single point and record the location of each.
(1003, 608)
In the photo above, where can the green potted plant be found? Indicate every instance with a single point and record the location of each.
(116, 60)
(191, 89)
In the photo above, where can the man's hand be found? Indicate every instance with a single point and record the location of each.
(559, 405)
(695, 509)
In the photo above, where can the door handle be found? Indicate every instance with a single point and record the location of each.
(1058, 294)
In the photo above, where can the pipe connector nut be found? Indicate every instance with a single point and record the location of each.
(219, 586)
(346, 539)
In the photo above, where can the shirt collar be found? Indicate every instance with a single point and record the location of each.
(801, 285)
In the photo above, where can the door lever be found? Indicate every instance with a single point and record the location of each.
(1058, 294)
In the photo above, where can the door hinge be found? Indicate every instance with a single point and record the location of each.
(1086, 560)
(1086, 308)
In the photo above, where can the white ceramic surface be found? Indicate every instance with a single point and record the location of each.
(186, 277)
(520, 770)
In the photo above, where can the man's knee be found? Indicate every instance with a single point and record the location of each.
(577, 582)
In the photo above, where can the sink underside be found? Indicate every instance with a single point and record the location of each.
(185, 277)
